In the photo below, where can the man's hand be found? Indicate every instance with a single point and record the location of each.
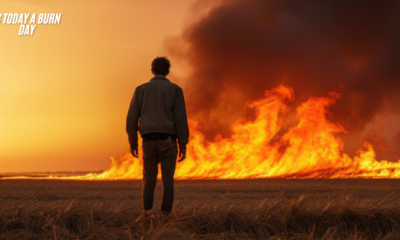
(135, 152)
(182, 155)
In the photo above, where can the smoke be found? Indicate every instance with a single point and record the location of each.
(237, 49)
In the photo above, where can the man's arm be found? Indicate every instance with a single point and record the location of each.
(181, 124)
(132, 124)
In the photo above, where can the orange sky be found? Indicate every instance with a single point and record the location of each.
(65, 92)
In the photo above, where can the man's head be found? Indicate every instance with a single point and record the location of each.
(160, 66)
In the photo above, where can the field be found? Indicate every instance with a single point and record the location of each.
(223, 209)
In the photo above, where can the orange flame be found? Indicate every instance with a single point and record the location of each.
(311, 149)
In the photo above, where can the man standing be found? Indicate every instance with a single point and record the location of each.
(158, 112)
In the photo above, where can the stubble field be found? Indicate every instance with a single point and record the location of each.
(213, 209)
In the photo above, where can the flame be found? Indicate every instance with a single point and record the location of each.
(311, 149)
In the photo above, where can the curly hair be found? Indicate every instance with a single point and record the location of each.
(160, 66)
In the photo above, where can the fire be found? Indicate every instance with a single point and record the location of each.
(311, 149)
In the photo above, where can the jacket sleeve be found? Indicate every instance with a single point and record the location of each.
(180, 119)
(132, 121)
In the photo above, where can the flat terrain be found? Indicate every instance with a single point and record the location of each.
(213, 209)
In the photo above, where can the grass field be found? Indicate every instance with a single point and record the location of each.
(220, 209)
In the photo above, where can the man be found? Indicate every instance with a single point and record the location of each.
(158, 112)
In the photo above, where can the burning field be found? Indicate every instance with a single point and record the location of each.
(258, 148)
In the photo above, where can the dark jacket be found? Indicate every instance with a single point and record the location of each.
(158, 106)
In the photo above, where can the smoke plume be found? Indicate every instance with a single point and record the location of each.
(238, 49)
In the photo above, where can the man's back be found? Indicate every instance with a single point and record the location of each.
(159, 107)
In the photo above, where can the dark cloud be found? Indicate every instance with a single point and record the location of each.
(240, 48)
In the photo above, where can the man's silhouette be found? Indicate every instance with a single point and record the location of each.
(158, 112)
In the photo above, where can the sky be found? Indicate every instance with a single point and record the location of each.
(65, 91)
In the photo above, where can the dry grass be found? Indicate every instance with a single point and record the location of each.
(234, 209)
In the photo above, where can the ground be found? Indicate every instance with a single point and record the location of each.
(209, 209)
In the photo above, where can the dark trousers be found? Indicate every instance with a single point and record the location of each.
(155, 152)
